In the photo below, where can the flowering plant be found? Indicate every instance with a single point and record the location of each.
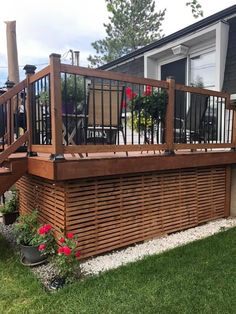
(45, 240)
(25, 228)
(147, 108)
(68, 255)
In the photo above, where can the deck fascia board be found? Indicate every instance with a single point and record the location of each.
(99, 167)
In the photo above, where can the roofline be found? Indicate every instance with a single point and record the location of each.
(185, 31)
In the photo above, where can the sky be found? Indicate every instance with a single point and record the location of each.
(56, 26)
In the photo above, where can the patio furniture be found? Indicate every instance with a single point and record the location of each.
(191, 128)
(104, 114)
(72, 126)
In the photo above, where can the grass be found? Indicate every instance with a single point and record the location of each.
(197, 278)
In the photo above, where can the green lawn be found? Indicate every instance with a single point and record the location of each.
(197, 278)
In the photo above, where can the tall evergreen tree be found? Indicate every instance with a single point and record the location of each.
(133, 24)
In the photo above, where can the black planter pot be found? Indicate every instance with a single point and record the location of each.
(10, 218)
(31, 255)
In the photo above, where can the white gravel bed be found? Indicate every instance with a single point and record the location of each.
(103, 263)
(96, 265)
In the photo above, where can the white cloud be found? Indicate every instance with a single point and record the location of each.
(49, 26)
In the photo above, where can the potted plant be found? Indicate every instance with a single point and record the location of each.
(35, 241)
(148, 109)
(10, 209)
(73, 92)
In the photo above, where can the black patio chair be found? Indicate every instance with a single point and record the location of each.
(191, 128)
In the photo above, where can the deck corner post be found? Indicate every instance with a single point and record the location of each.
(29, 71)
(56, 107)
(169, 122)
(234, 131)
(10, 116)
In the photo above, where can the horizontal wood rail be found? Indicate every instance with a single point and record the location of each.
(111, 148)
(12, 92)
(42, 148)
(13, 147)
(112, 76)
(203, 91)
(35, 77)
(203, 146)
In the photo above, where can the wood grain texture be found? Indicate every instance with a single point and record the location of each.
(112, 76)
(98, 167)
(111, 212)
(56, 104)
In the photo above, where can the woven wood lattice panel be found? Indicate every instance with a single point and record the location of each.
(45, 196)
(113, 212)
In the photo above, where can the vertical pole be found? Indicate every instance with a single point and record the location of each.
(77, 53)
(170, 117)
(10, 115)
(56, 107)
(29, 71)
(228, 196)
(233, 125)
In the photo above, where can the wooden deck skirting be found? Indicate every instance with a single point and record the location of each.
(114, 211)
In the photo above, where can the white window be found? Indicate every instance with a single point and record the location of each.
(203, 70)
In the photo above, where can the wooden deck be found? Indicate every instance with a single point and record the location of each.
(115, 194)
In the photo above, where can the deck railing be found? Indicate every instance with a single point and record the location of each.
(12, 118)
(73, 109)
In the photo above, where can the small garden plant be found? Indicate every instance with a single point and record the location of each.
(63, 252)
(12, 204)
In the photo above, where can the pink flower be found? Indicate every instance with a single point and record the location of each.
(148, 91)
(77, 254)
(70, 235)
(66, 250)
(42, 247)
(62, 240)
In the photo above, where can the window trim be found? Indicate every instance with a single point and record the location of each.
(218, 42)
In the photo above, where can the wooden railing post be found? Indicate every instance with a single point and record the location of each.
(56, 107)
(169, 123)
(29, 70)
(234, 131)
(10, 116)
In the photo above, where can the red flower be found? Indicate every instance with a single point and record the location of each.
(62, 240)
(41, 230)
(44, 229)
(148, 91)
(42, 247)
(47, 228)
(123, 105)
(60, 250)
(70, 235)
(66, 250)
(129, 93)
(77, 254)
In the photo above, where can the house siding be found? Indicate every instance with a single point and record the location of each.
(230, 66)
(134, 67)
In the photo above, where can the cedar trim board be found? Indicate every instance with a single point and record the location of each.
(88, 168)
